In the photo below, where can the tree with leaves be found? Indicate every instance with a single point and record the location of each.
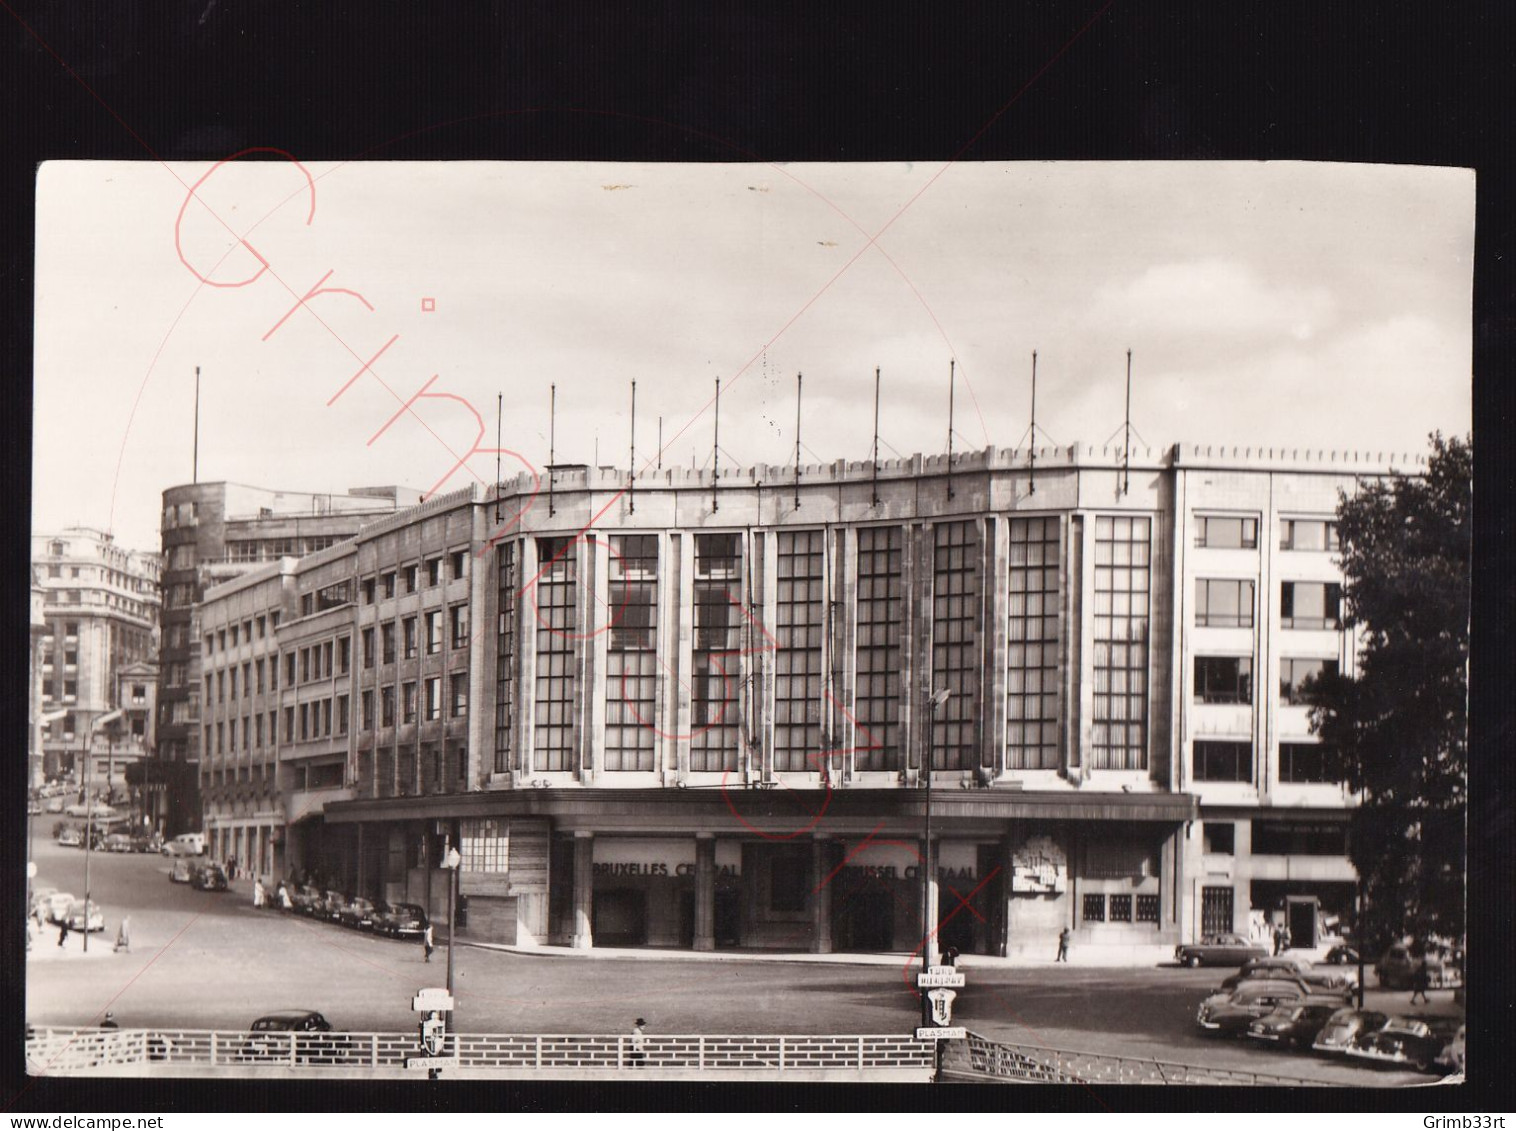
(1401, 724)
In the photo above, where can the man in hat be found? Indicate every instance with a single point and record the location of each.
(639, 1043)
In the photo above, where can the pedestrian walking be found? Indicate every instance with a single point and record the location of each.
(283, 896)
(1065, 937)
(231, 868)
(260, 897)
(124, 935)
(426, 941)
(1278, 940)
(62, 931)
(1421, 981)
(639, 1043)
(1285, 941)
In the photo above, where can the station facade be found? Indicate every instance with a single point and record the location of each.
(697, 711)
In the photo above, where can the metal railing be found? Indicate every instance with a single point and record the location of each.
(983, 1058)
(63, 1052)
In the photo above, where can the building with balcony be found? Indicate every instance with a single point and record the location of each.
(706, 711)
(100, 607)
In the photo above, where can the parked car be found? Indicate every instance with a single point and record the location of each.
(314, 1042)
(1451, 1057)
(176, 848)
(181, 873)
(55, 805)
(41, 903)
(357, 913)
(34, 808)
(1293, 1026)
(1345, 1027)
(1397, 969)
(302, 898)
(70, 838)
(85, 917)
(89, 808)
(58, 904)
(1291, 970)
(1219, 950)
(1414, 1041)
(331, 905)
(1341, 956)
(1230, 1013)
(1283, 965)
(402, 920)
(209, 877)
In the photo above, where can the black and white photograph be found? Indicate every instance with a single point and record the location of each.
(880, 622)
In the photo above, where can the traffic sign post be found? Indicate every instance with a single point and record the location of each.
(433, 1005)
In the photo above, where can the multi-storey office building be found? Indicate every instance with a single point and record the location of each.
(214, 532)
(706, 708)
(241, 667)
(101, 608)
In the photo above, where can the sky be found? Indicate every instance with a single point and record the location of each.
(1280, 304)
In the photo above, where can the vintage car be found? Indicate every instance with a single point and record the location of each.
(1293, 1026)
(58, 904)
(1346, 1027)
(118, 842)
(1290, 968)
(85, 917)
(402, 920)
(357, 913)
(1219, 950)
(1416, 1042)
(181, 872)
(302, 1033)
(1343, 955)
(70, 837)
(209, 877)
(1230, 1013)
(1398, 966)
(1451, 1057)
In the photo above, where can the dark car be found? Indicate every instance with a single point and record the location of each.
(302, 1032)
(1399, 966)
(1416, 1042)
(357, 913)
(331, 905)
(1341, 956)
(402, 920)
(1219, 950)
(1345, 1028)
(1291, 969)
(209, 877)
(303, 899)
(1293, 1026)
(1231, 1013)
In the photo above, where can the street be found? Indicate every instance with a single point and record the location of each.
(210, 960)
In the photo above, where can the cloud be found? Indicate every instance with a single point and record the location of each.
(1213, 296)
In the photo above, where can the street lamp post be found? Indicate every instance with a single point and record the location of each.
(452, 862)
(928, 867)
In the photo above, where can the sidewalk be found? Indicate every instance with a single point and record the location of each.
(45, 946)
(1103, 957)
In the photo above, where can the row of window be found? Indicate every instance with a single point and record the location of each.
(416, 635)
(1098, 907)
(1236, 532)
(1228, 603)
(386, 586)
(412, 696)
(1300, 763)
(1229, 679)
(224, 638)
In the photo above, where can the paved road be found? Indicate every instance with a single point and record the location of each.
(210, 960)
